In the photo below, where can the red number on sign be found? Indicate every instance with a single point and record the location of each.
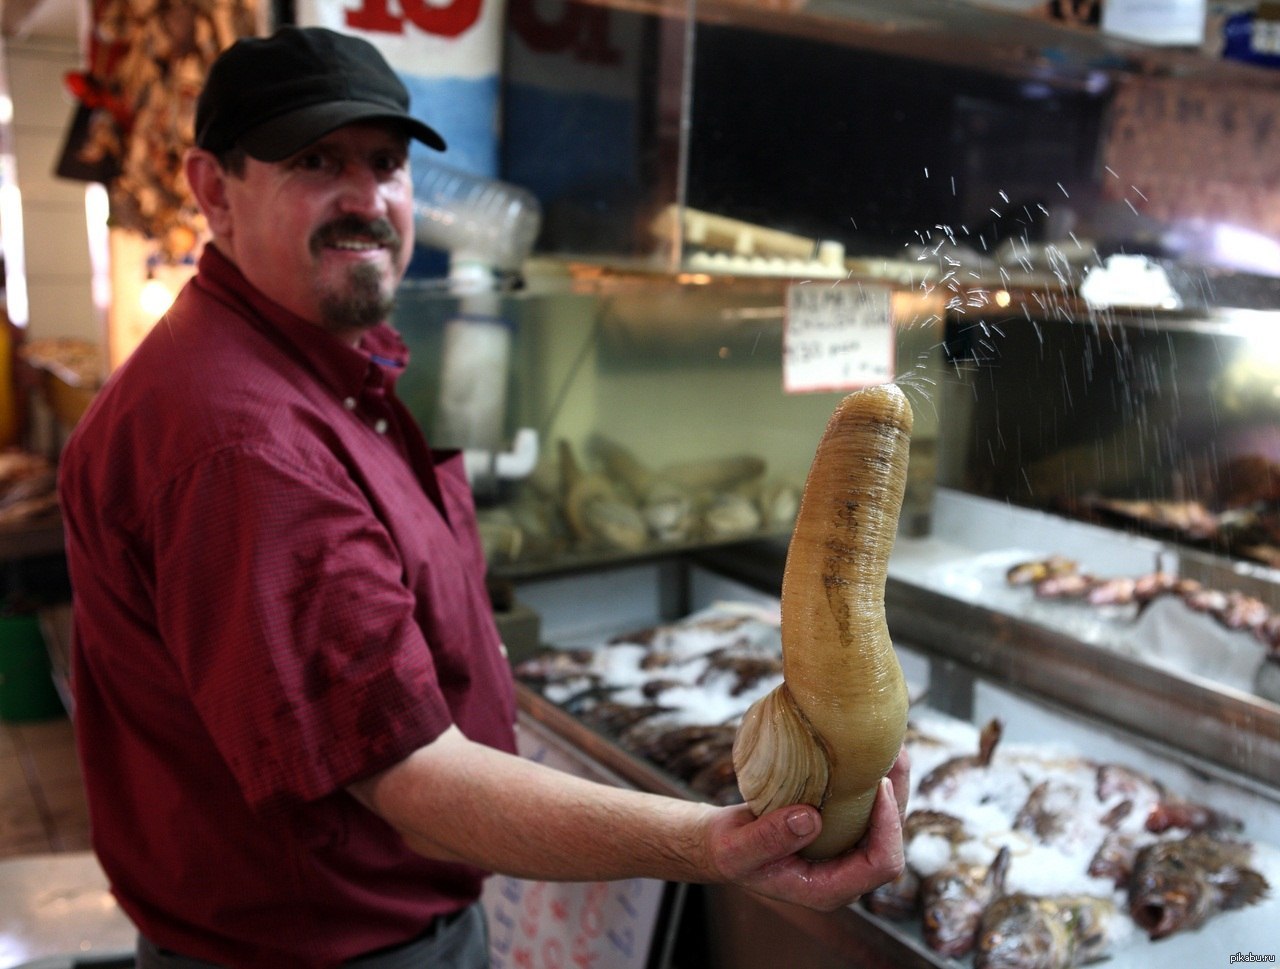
(447, 21)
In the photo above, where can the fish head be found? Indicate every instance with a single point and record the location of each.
(1025, 940)
(1163, 902)
(952, 911)
(1021, 938)
(950, 928)
(898, 899)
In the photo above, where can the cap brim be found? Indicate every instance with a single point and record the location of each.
(289, 133)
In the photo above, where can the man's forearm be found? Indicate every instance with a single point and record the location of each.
(460, 801)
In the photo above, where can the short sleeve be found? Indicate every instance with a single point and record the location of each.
(283, 601)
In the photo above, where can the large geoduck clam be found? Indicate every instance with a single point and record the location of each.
(834, 727)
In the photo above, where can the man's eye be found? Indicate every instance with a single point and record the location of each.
(390, 163)
(311, 161)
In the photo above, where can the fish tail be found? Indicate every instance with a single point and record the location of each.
(1248, 888)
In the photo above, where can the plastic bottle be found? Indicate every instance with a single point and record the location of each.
(475, 219)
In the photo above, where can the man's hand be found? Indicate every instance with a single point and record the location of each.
(456, 800)
(761, 853)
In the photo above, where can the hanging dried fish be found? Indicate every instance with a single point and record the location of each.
(147, 62)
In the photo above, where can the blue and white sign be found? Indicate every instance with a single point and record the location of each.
(449, 57)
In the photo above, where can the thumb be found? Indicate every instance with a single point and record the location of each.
(770, 838)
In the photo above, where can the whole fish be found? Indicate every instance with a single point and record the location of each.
(1118, 591)
(552, 666)
(1115, 857)
(1044, 932)
(1073, 586)
(946, 777)
(1177, 885)
(1054, 815)
(662, 743)
(953, 900)
(613, 717)
(1029, 573)
(1174, 812)
(900, 898)
(1163, 810)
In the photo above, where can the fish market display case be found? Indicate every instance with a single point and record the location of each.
(1022, 433)
(685, 375)
(699, 626)
(1086, 549)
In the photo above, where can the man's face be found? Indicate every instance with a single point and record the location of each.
(328, 232)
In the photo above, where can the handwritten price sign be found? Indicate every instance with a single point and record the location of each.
(838, 336)
(569, 925)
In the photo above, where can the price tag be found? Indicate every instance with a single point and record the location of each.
(837, 336)
(562, 925)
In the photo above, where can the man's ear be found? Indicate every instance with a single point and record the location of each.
(208, 183)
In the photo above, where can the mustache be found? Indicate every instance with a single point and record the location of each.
(380, 231)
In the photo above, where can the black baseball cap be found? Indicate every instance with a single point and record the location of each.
(275, 95)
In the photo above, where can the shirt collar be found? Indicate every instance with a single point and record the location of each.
(380, 358)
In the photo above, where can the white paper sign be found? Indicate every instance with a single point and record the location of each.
(838, 336)
(1172, 22)
(568, 925)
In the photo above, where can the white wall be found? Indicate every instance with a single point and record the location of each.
(59, 274)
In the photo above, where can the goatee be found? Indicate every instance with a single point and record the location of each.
(361, 306)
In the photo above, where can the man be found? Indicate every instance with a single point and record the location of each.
(294, 716)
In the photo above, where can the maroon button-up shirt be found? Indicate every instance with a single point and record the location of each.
(278, 591)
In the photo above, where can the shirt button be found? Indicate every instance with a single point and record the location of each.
(349, 403)
(380, 426)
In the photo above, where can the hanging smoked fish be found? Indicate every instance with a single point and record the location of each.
(833, 728)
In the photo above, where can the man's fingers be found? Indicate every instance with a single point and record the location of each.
(750, 844)
(900, 775)
(884, 834)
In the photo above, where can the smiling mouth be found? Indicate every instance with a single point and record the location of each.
(356, 235)
(355, 245)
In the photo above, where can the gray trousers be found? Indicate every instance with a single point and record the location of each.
(460, 942)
